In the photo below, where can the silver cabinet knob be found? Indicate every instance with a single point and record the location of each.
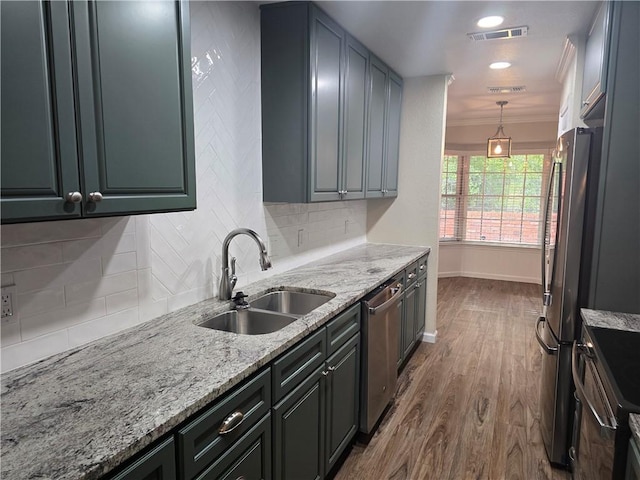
(584, 104)
(95, 197)
(421, 267)
(73, 197)
(332, 369)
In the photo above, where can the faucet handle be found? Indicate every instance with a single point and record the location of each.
(233, 265)
(239, 300)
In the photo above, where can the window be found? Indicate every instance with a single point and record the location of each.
(496, 200)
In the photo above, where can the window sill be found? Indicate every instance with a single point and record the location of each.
(487, 244)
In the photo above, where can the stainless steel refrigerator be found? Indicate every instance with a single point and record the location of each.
(566, 256)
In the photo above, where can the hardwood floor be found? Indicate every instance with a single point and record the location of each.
(466, 406)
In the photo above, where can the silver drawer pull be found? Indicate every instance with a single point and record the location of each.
(418, 285)
(332, 369)
(412, 275)
(230, 423)
(421, 267)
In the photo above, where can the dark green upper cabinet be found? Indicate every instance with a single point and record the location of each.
(120, 134)
(327, 64)
(355, 119)
(385, 90)
(315, 106)
(39, 156)
(596, 60)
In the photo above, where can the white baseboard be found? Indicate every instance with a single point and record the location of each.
(429, 337)
(491, 276)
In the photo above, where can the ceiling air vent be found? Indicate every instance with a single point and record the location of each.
(506, 33)
(518, 89)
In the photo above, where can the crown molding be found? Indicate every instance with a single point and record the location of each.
(568, 53)
(507, 121)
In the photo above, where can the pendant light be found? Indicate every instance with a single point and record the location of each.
(499, 146)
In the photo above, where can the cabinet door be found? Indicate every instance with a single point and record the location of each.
(421, 307)
(39, 156)
(376, 127)
(401, 315)
(299, 423)
(343, 399)
(594, 79)
(158, 464)
(355, 119)
(326, 96)
(135, 104)
(408, 329)
(393, 136)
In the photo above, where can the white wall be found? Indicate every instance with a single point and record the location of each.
(510, 263)
(412, 218)
(79, 280)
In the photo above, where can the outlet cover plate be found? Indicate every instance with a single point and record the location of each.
(8, 302)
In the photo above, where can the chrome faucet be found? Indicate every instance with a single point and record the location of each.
(228, 280)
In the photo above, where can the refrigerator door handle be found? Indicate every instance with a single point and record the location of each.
(545, 261)
(548, 349)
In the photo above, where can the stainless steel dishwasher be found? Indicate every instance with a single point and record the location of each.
(380, 328)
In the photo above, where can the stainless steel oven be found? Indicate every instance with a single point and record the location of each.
(606, 369)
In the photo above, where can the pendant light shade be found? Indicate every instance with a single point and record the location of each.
(499, 146)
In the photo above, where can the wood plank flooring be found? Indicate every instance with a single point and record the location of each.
(466, 406)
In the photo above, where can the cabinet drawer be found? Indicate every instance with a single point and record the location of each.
(298, 363)
(411, 274)
(422, 266)
(342, 328)
(249, 458)
(200, 443)
(158, 464)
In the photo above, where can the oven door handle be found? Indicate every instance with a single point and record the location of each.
(548, 349)
(606, 431)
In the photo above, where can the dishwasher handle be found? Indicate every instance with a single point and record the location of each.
(397, 292)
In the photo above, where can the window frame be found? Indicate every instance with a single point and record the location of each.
(461, 196)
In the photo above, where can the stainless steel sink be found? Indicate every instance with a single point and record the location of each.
(288, 302)
(249, 322)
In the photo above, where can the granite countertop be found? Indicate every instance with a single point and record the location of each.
(79, 414)
(616, 321)
(613, 320)
(634, 423)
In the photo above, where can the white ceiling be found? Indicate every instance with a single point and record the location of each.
(429, 37)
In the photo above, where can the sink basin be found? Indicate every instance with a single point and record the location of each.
(292, 303)
(248, 322)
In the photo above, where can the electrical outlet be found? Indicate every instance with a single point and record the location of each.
(7, 296)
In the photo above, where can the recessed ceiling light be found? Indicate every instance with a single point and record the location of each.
(490, 22)
(499, 65)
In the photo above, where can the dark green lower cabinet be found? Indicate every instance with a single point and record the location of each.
(298, 422)
(249, 458)
(421, 306)
(400, 328)
(158, 464)
(343, 382)
(408, 325)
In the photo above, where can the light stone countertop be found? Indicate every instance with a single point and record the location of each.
(634, 423)
(81, 413)
(613, 320)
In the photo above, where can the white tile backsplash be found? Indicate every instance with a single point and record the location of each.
(79, 280)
